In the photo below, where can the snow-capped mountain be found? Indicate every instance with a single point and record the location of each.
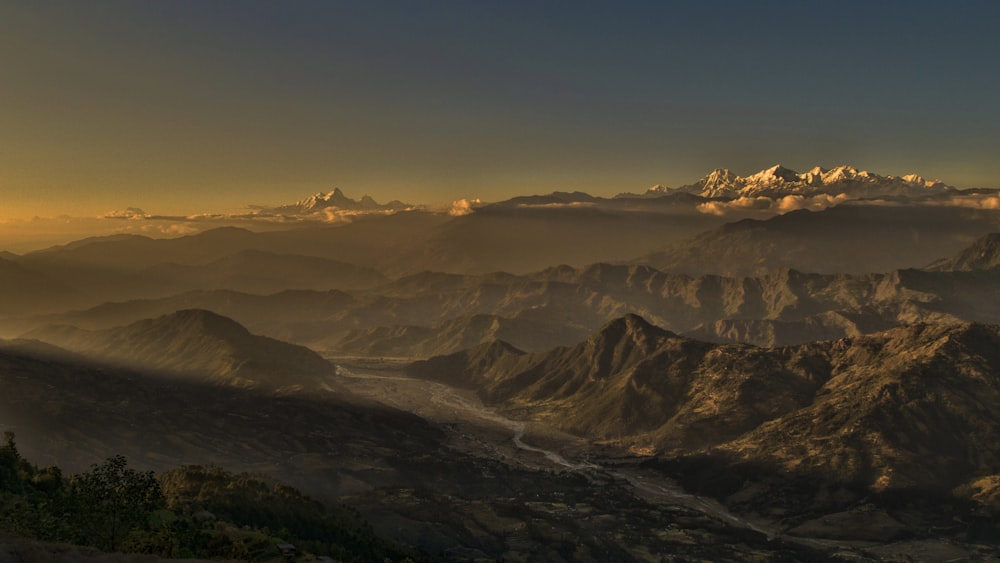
(337, 199)
(779, 181)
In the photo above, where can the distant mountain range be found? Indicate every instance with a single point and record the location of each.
(779, 181)
(435, 313)
(337, 201)
(541, 270)
(845, 239)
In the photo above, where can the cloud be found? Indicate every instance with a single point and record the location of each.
(813, 203)
(160, 228)
(762, 204)
(557, 204)
(723, 208)
(130, 213)
(987, 200)
(464, 206)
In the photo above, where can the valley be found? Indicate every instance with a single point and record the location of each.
(499, 282)
(482, 432)
(650, 382)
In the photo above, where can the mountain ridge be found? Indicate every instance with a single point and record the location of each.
(983, 254)
(198, 344)
(778, 181)
(926, 390)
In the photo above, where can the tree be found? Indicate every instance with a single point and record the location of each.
(9, 460)
(112, 500)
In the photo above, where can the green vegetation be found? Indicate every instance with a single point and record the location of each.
(192, 511)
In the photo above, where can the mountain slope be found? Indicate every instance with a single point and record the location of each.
(256, 271)
(910, 407)
(198, 344)
(25, 290)
(524, 237)
(453, 335)
(434, 313)
(984, 254)
(846, 239)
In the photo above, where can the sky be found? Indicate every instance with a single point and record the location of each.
(187, 106)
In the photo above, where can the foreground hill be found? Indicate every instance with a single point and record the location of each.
(910, 407)
(197, 344)
(72, 415)
(394, 467)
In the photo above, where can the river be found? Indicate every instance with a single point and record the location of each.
(452, 404)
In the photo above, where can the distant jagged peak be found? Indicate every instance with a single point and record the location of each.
(779, 180)
(333, 204)
(919, 180)
(773, 175)
(658, 189)
(337, 199)
(720, 175)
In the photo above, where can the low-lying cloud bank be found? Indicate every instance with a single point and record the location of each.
(776, 206)
(771, 205)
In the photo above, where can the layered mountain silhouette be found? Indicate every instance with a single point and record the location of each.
(844, 239)
(24, 289)
(198, 344)
(255, 271)
(841, 355)
(451, 335)
(436, 313)
(909, 407)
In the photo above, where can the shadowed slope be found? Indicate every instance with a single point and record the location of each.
(984, 254)
(196, 343)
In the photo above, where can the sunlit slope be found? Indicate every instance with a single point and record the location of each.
(911, 406)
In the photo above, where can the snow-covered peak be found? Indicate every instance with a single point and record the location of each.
(720, 176)
(919, 181)
(775, 174)
(720, 182)
(319, 200)
(336, 201)
(778, 181)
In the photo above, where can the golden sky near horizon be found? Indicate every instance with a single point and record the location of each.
(187, 107)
